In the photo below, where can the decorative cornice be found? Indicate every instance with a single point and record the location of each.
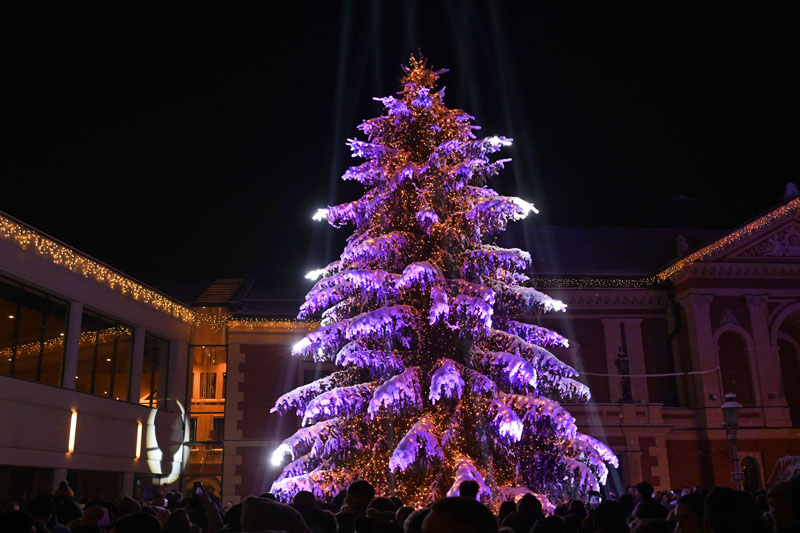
(739, 271)
(649, 299)
(700, 303)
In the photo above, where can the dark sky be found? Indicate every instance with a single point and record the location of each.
(196, 146)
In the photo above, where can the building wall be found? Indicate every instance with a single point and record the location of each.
(35, 418)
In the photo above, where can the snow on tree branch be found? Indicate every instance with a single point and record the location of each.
(518, 371)
(421, 438)
(604, 451)
(298, 398)
(532, 333)
(387, 323)
(323, 343)
(343, 401)
(466, 471)
(384, 252)
(487, 259)
(398, 392)
(446, 381)
(378, 363)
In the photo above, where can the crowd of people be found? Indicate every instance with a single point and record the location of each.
(359, 510)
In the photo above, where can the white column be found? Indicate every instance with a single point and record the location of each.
(704, 356)
(137, 359)
(635, 347)
(72, 344)
(127, 484)
(178, 368)
(765, 364)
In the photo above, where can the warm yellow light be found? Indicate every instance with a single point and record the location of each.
(73, 425)
(139, 440)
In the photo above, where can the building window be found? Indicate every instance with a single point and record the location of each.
(154, 370)
(32, 333)
(193, 429)
(217, 428)
(208, 385)
(104, 357)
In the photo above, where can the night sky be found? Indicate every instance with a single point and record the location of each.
(196, 146)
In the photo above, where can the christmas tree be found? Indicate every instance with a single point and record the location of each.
(443, 376)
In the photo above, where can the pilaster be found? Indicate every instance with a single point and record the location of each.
(178, 359)
(704, 357)
(137, 358)
(765, 363)
(72, 345)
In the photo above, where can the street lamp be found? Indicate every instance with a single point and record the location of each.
(730, 413)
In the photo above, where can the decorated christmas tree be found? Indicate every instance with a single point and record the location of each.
(443, 376)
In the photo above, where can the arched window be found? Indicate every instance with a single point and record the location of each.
(734, 362)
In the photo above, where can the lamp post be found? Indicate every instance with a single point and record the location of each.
(730, 413)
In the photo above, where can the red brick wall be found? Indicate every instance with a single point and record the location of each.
(269, 371)
(256, 471)
(648, 462)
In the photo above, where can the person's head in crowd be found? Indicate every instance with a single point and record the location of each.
(459, 515)
(506, 508)
(233, 518)
(577, 508)
(137, 523)
(16, 522)
(779, 506)
(530, 504)
(729, 511)
(631, 489)
(572, 523)
(262, 514)
(551, 524)
(160, 500)
(178, 522)
(64, 491)
(41, 508)
(10, 505)
(128, 506)
(652, 525)
(384, 505)
(413, 523)
(689, 513)
(359, 494)
(644, 491)
(398, 503)
(612, 495)
(403, 513)
(610, 515)
(304, 500)
(268, 496)
(469, 489)
(627, 503)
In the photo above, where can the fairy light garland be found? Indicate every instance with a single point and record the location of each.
(599, 283)
(86, 338)
(283, 324)
(745, 231)
(32, 241)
